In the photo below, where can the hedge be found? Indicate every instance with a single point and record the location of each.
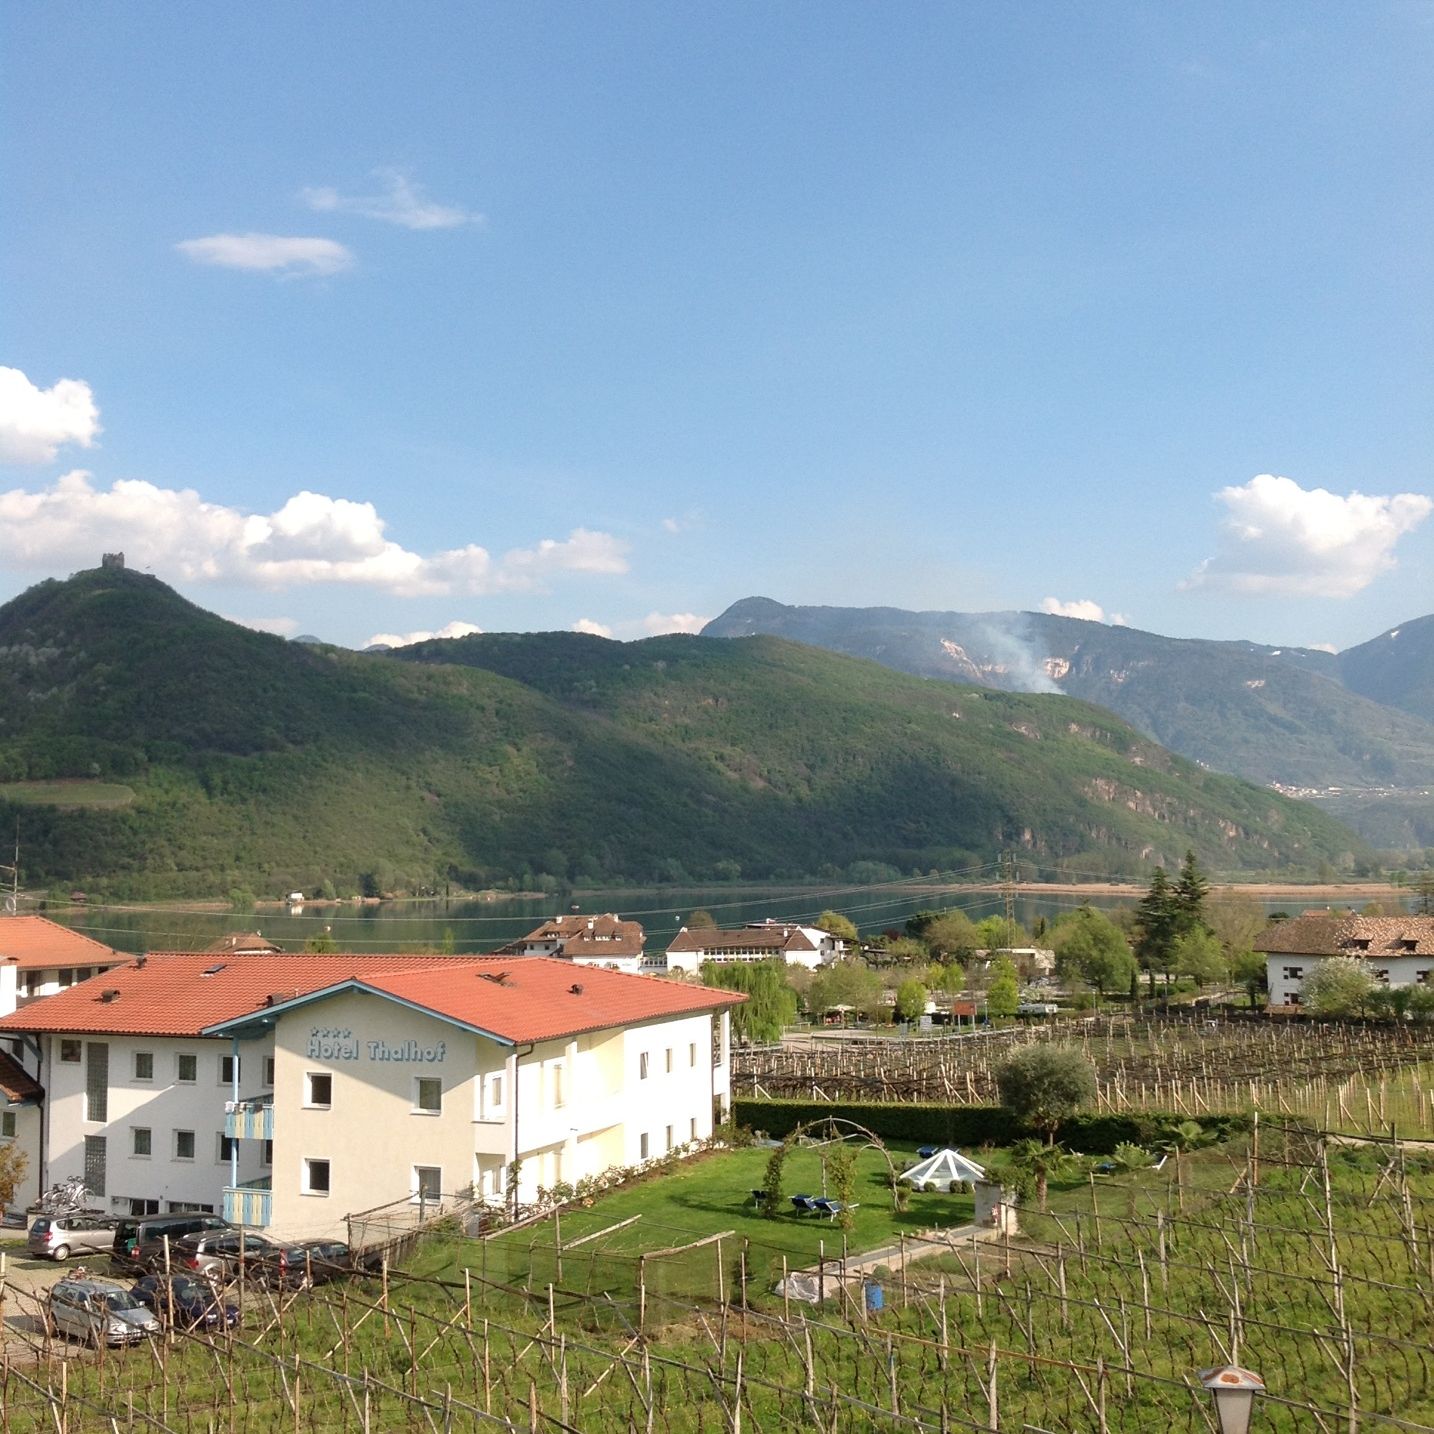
(971, 1125)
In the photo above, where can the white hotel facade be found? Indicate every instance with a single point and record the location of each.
(288, 1091)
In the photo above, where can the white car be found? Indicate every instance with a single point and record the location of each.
(98, 1312)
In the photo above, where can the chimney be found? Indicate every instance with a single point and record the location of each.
(109, 996)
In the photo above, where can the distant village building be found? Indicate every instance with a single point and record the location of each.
(245, 943)
(586, 940)
(806, 946)
(1398, 950)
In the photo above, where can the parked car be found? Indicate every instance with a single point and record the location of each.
(140, 1241)
(180, 1300)
(333, 1260)
(57, 1237)
(286, 1267)
(218, 1254)
(97, 1311)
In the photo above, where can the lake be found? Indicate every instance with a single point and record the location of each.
(482, 923)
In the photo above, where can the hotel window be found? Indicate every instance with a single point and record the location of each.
(1421, 978)
(97, 1081)
(692, 1054)
(1381, 974)
(269, 1072)
(428, 1184)
(186, 1067)
(318, 1090)
(144, 1065)
(228, 1069)
(143, 1207)
(669, 1137)
(669, 1060)
(268, 1156)
(7, 1125)
(67, 977)
(642, 1146)
(642, 1066)
(427, 1095)
(692, 1131)
(493, 1097)
(316, 1177)
(141, 1142)
(70, 1052)
(184, 1145)
(556, 1077)
(224, 1148)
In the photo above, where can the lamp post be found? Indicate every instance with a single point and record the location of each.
(1233, 1390)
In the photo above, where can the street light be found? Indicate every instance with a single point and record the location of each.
(1233, 1390)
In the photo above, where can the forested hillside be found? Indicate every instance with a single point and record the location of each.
(150, 748)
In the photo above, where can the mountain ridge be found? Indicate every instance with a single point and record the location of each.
(524, 758)
(1297, 717)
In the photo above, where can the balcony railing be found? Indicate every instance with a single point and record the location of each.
(248, 1204)
(250, 1119)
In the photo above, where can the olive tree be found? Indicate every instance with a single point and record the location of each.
(1042, 1085)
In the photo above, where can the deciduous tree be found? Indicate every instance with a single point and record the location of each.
(911, 998)
(1089, 945)
(771, 1004)
(1003, 993)
(1338, 986)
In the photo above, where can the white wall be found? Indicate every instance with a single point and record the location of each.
(1286, 974)
(164, 1105)
(27, 1137)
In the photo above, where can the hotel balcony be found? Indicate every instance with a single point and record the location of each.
(248, 1204)
(251, 1119)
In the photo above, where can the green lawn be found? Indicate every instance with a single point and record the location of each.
(703, 1196)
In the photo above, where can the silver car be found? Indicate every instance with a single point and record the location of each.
(57, 1237)
(98, 1312)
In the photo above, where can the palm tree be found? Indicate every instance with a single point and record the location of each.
(1180, 1139)
(1033, 1163)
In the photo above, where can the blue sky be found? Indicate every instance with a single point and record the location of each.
(368, 319)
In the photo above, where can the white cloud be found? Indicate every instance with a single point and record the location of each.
(1323, 647)
(401, 202)
(593, 629)
(671, 525)
(656, 623)
(1081, 607)
(311, 538)
(456, 628)
(288, 256)
(1288, 541)
(36, 422)
(279, 626)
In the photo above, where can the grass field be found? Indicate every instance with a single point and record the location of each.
(75, 793)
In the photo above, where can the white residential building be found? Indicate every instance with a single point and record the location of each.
(806, 946)
(605, 940)
(1398, 950)
(289, 1091)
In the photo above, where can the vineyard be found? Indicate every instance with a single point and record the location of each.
(1307, 1259)
(1357, 1079)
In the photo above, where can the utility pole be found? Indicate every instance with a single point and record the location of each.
(12, 897)
(1008, 895)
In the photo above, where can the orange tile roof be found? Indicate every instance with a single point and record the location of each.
(168, 993)
(538, 999)
(188, 993)
(1332, 933)
(17, 1086)
(35, 942)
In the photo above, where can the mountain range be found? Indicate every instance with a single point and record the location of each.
(1361, 720)
(150, 748)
